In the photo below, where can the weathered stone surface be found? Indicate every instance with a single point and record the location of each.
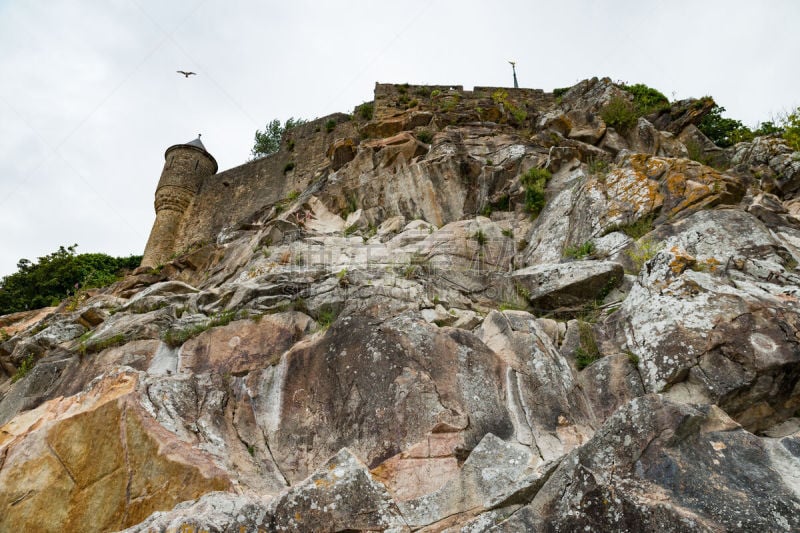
(568, 285)
(36, 387)
(775, 157)
(549, 413)
(422, 468)
(95, 462)
(214, 511)
(657, 465)
(341, 152)
(495, 472)
(340, 496)
(585, 127)
(683, 113)
(432, 379)
(713, 318)
(638, 189)
(244, 345)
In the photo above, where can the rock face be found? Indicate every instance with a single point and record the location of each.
(101, 456)
(403, 333)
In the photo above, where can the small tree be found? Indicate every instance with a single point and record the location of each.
(791, 130)
(268, 141)
(724, 131)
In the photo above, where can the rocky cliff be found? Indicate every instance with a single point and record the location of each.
(482, 310)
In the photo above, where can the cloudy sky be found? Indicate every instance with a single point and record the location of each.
(89, 98)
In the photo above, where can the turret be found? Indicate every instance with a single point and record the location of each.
(185, 168)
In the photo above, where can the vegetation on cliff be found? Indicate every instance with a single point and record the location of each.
(725, 132)
(57, 276)
(268, 142)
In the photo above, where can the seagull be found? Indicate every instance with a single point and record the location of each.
(187, 74)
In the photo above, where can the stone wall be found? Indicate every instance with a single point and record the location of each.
(392, 99)
(229, 197)
(235, 194)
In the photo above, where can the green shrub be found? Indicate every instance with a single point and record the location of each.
(534, 181)
(59, 275)
(25, 366)
(632, 357)
(448, 103)
(365, 110)
(587, 351)
(636, 229)
(326, 316)
(597, 166)
(329, 125)
(176, 337)
(579, 252)
(723, 131)
(791, 131)
(288, 167)
(425, 136)
(480, 236)
(560, 91)
(646, 99)
(642, 252)
(768, 128)
(620, 114)
(92, 347)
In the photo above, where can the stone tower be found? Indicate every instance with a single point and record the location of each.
(185, 168)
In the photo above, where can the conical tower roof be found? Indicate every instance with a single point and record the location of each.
(198, 143)
(195, 144)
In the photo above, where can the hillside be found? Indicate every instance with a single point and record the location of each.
(487, 310)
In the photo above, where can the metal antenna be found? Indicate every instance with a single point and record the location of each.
(514, 69)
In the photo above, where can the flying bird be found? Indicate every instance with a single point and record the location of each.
(187, 74)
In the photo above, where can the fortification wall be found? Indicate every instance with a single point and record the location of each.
(392, 99)
(229, 197)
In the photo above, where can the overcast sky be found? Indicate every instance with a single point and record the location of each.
(89, 98)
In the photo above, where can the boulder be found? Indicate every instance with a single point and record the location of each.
(95, 462)
(708, 315)
(657, 465)
(495, 472)
(585, 126)
(773, 154)
(340, 495)
(682, 114)
(568, 286)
